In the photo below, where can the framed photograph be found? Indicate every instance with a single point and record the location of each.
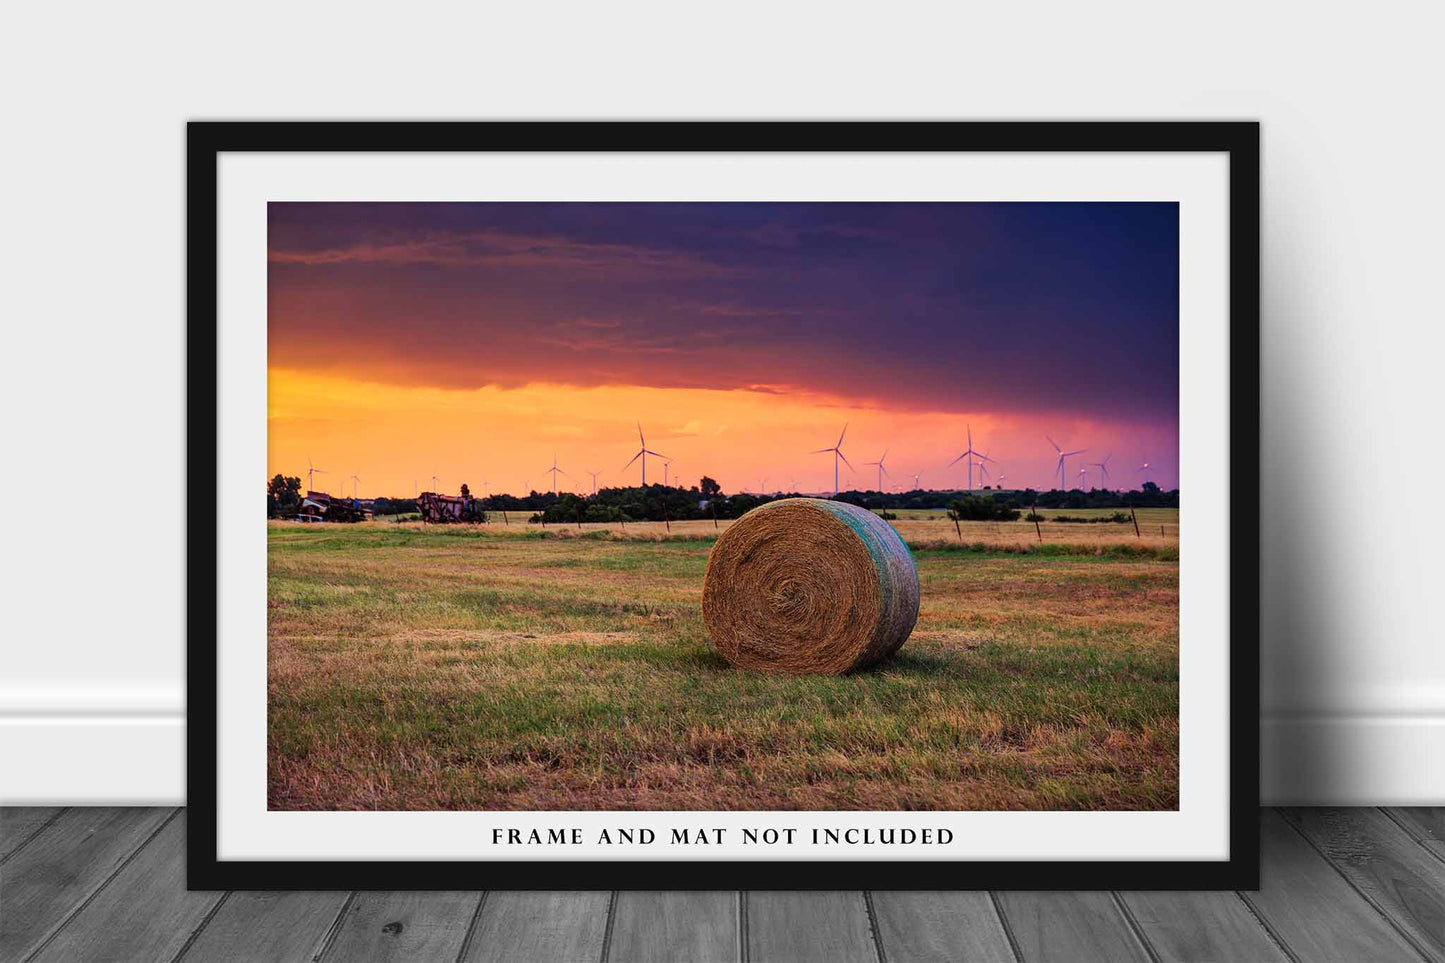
(723, 505)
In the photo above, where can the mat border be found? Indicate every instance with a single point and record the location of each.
(206, 140)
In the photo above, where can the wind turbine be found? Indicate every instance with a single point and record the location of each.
(982, 469)
(1083, 477)
(881, 469)
(1103, 467)
(665, 466)
(1063, 482)
(1143, 469)
(1000, 479)
(762, 485)
(312, 471)
(916, 475)
(554, 471)
(594, 475)
(965, 457)
(837, 451)
(355, 485)
(436, 484)
(642, 453)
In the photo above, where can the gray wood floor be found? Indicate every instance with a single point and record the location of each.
(1355, 885)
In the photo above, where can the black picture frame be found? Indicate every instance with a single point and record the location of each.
(206, 141)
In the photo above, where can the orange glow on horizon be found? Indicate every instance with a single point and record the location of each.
(504, 438)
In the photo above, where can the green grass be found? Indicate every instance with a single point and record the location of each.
(452, 668)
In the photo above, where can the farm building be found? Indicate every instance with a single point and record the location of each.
(321, 507)
(441, 509)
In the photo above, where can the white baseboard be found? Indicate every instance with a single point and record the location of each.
(138, 758)
(1353, 760)
(93, 760)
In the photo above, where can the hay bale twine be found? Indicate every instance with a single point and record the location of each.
(807, 585)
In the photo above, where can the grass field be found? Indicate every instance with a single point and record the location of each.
(503, 667)
(921, 528)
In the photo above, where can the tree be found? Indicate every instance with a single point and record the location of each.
(466, 492)
(710, 488)
(972, 508)
(283, 496)
(742, 503)
(383, 505)
(601, 513)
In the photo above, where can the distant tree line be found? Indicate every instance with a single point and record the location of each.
(707, 500)
(394, 506)
(978, 508)
(1150, 497)
(653, 503)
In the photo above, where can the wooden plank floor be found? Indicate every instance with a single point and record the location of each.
(108, 884)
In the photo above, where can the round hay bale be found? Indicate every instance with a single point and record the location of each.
(807, 585)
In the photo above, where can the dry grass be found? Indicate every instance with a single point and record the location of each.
(1158, 529)
(482, 669)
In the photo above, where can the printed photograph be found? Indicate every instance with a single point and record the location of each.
(723, 506)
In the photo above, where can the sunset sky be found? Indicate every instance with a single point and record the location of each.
(472, 341)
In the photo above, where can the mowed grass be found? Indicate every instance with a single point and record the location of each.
(466, 668)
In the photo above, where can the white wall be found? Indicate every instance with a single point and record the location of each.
(92, 684)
